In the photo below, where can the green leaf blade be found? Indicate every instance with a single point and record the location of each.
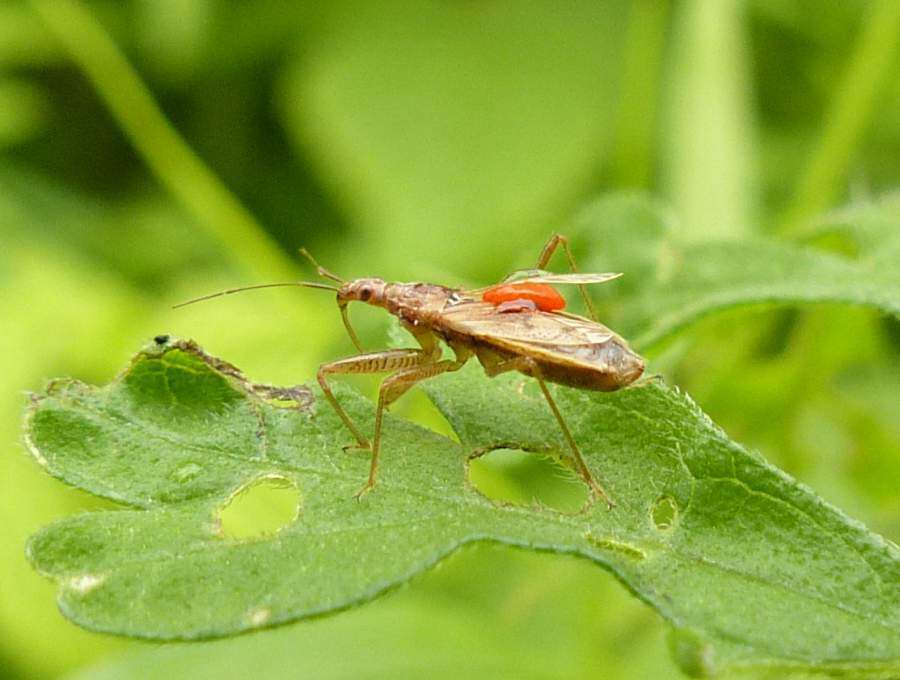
(718, 541)
(717, 277)
(670, 285)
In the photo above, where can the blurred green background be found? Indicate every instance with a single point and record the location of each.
(153, 151)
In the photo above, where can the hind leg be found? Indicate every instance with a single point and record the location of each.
(494, 366)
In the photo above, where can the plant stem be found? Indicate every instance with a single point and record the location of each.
(633, 155)
(167, 154)
(709, 158)
(851, 111)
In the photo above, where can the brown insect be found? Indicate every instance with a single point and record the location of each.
(517, 325)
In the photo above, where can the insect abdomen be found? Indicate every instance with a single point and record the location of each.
(605, 366)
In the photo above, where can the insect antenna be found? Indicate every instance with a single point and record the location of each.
(320, 270)
(221, 293)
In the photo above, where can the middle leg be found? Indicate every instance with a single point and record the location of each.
(392, 388)
(372, 362)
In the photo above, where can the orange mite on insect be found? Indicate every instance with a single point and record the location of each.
(544, 296)
(516, 325)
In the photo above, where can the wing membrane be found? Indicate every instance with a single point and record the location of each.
(573, 278)
(541, 276)
(576, 278)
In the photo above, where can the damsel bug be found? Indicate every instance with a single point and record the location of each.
(516, 325)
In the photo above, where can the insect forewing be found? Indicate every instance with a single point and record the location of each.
(483, 320)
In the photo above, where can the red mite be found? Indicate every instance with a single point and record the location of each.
(544, 296)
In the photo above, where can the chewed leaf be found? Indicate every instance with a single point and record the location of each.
(735, 554)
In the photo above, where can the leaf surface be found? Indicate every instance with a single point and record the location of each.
(749, 565)
(670, 284)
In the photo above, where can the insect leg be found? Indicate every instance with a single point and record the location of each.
(576, 452)
(345, 317)
(373, 362)
(391, 389)
(529, 366)
(555, 241)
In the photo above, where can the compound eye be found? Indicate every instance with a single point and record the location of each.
(365, 293)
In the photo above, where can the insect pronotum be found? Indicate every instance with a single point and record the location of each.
(516, 325)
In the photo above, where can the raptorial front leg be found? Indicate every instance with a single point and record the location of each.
(392, 388)
(555, 241)
(527, 365)
(345, 317)
(372, 362)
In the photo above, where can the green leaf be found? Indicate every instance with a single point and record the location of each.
(749, 565)
(670, 285)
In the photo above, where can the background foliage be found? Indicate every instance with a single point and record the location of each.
(438, 141)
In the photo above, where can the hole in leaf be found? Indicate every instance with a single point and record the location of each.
(418, 407)
(262, 508)
(664, 512)
(529, 479)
